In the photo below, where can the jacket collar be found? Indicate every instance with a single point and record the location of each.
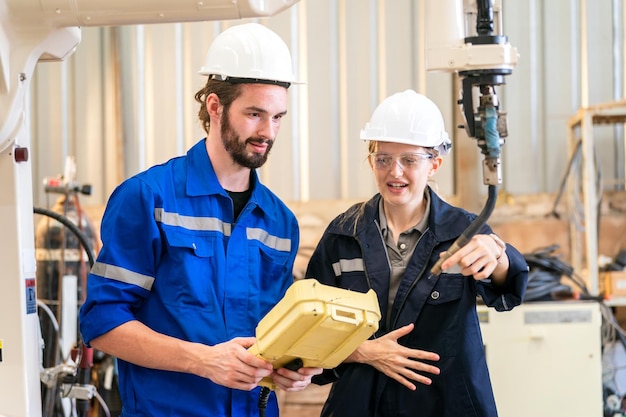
(202, 179)
(445, 222)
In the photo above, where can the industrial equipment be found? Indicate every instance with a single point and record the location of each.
(66, 380)
(465, 37)
(544, 358)
(316, 323)
(65, 248)
(313, 325)
(62, 264)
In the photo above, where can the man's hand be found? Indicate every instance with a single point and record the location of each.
(396, 361)
(231, 365)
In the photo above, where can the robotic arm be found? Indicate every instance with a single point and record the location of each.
(482, 60)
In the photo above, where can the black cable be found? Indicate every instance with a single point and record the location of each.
(70, 225)
(544, 285)
(82, 406)
(545, 277)
(471, 230)
(264, 395)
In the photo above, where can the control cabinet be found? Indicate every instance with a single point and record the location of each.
(545, 358)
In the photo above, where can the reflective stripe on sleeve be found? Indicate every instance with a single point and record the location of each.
(123, 275)
(268, 240)
(348, 265)
(192, 223)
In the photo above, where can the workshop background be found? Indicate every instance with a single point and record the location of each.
(125, 101)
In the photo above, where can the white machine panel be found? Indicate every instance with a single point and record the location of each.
(545, 359)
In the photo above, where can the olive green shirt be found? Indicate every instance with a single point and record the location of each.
(400, 254)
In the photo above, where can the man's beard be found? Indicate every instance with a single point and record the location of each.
(237, 149)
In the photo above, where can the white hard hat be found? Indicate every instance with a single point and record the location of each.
(249, 53)
(409, 118)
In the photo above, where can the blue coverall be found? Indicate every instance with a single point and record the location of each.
(174, 258)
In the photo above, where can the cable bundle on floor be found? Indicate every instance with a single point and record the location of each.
(545, 278)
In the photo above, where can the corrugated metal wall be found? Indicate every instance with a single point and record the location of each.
(124, 100)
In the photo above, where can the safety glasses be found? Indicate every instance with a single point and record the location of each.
(406, 161)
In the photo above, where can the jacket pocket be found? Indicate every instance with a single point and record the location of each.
(269, 263)
(269, 274)
(449, 288)
(188, 270)
(439, 327)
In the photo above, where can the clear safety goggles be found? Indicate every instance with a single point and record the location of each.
(406, 161)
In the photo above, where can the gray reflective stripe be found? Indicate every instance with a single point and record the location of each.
(123, 275)
(504, 303)
(274, 242)
(348, 265)
(192, 223)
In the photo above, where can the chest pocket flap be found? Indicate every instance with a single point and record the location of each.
(448, 288)
(201, 246)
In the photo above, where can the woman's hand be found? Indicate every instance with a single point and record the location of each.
(483, 256)
(298, 380)
(396, 361)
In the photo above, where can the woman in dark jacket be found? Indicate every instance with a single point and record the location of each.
(427, 358)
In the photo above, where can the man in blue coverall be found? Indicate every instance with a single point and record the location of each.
(196, 250)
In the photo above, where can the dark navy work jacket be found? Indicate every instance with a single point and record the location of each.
(351, 254)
